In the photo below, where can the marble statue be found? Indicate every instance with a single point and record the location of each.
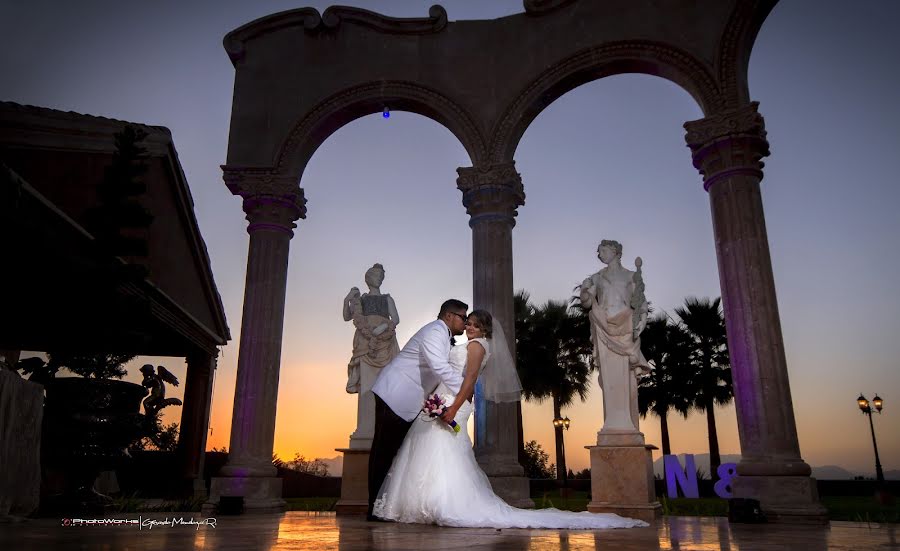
(614, 298)
(375, 318)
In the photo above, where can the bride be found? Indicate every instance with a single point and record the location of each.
(434, 477)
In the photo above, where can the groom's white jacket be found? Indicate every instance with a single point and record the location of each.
(417, 370)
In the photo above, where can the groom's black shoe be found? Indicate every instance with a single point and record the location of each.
(372, 518)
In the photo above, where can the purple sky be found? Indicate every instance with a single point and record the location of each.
(607, 160)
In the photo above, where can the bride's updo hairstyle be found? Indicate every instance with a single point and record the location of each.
(484, 320)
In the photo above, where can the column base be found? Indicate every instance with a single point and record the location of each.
(648, 513)
(622, 482)
(359, 443)
(620, 438)
(194, 488)
(783, 499)
(261, 494)
(354, 482)
(248, 470)
(514, 490)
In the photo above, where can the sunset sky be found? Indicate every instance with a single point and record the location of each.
(605, 161)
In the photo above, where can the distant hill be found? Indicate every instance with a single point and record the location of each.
(824, 472)
(335, 465)
(832, 472)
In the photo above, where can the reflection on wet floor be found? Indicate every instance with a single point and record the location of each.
(302, 530)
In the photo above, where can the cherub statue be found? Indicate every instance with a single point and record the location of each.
(156, 382)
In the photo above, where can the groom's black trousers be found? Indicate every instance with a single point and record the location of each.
(390, 430)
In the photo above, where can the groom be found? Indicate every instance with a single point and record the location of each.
(403, 384)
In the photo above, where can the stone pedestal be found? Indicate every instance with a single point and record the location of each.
(354, 482)
(515, 490)
(619, 438)
(788, 499)
(261, 494)
(361, 439)
(622, 481)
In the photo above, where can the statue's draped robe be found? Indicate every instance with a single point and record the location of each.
(618, 355)
(375, 350)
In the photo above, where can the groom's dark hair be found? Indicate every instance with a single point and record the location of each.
(452, 305)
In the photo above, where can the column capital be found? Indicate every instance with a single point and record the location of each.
(203, 360)
(491, 192)
(272, 200)
(728, 144)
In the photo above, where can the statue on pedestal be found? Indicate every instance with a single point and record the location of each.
(614, 298)
(375, 318)
(156, 381)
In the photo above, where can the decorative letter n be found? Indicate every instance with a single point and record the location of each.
(675, 476)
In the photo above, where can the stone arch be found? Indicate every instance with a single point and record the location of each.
(594, 63)
(734, 51)
(702, 46)
(310, 131)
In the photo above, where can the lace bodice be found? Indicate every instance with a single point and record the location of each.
(460, 353)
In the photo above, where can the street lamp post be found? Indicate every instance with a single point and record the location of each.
(559, 423)
(866, 408)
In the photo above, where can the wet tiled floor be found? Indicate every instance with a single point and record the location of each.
(300, 530)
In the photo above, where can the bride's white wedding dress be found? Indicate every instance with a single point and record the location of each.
(435, 479)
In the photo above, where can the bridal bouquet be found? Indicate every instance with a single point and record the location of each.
(435, 406)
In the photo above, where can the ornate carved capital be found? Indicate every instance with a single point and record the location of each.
(202, 361)
(272, 201)
(728, 143)
(743, 121)
(491, 192)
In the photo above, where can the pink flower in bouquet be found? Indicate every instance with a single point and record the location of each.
(434, 407)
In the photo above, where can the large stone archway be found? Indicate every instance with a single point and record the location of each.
(301, 75)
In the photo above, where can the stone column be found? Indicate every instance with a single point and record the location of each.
(272, 203)
(21, 417)
(201, 367)
(491, 195)
(727, 149)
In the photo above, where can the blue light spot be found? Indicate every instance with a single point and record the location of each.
(386, 113)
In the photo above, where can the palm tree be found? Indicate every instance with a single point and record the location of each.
(553, 357)
(703, 320)
(522, 312)
(667, 347)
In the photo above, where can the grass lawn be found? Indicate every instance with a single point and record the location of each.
(134, 504)
(576, 501)
(311, 503)
(861, 509)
